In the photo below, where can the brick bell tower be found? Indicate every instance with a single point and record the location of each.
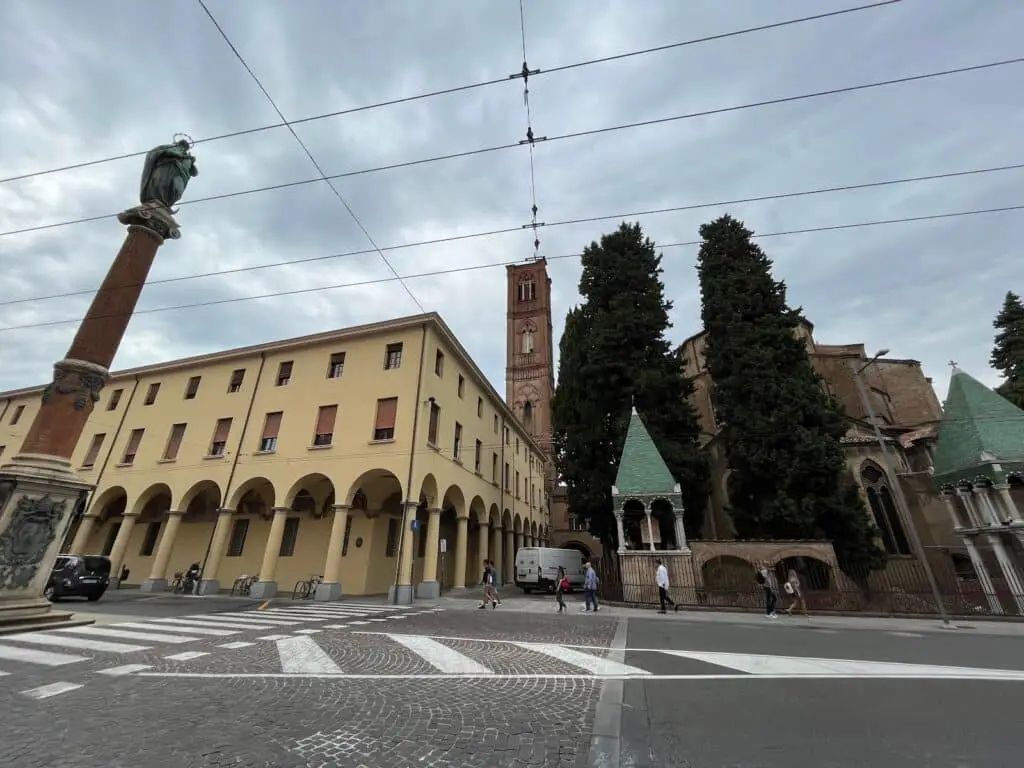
(529, 351)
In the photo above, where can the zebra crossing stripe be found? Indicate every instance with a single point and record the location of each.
(252, 617)
(183, 628)
(53, 689)
(441, 657)
(111, 631)
(302, 655)
(593, 664)
(217, 624)
(81, 643)
(34, 656)
(187, 655)
(124, 669)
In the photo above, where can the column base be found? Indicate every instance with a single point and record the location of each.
(209, 587)
(428, 590)
(153, 585)
(328, 591)
(263, 590)
(401, 595)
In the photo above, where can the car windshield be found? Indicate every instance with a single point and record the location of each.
(100, 565)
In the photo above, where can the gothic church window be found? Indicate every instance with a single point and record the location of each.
(883, 507)
(527, 290)
(527, 341)
(528, 414)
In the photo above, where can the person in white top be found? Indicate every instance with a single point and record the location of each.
(661, 577)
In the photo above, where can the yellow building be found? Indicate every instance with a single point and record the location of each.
(378, 457)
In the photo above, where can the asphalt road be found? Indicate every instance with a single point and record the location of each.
(177, 682)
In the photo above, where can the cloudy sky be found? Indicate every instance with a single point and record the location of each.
(83, 81)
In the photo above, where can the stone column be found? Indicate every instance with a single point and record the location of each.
(330, 587)
(983, 578)
(947, 499)
(209, 584)
(520, 540)
(510, 555)
(984, 504)
(483, 538)
(157, 581)
(650, 526)
(620, 530)
(39, 490)
(82, 534)
(496, 555)
(124, 533)
(266, 587)
(401, 594)
(1014, 580)
(461, 552)
(974, 521)
(681, 544)
(430, 587)
(1009, 505)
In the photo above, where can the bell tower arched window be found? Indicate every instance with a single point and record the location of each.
(528, 414)
(527, 341)
(883, 507)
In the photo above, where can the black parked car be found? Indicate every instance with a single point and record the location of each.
(78, 576)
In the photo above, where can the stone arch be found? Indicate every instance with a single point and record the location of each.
(517, 523)
(477, 511)
(727, 573)
(533, 530)
(112, 502)
(255, 492)
(157, 499)
(202, 499)
(429, 491)
(455, 500)
(493, 516)
(310, 493)
(814, 573)
(376, 485)
(506, 520)
(579, 546)
(876, 484)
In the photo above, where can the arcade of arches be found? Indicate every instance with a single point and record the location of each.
(361, 538)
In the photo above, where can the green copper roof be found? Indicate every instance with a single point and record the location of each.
(641, 468)
(979, 428)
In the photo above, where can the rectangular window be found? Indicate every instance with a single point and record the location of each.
(324, 434)
(387, 411)
(271, 426)
(289, 537)
(149, 540)
(237, 377)
(174, 441)
(134, 439)
(507, 477)
(16, 417)
(151, 393)
(94, 449)
(478, 456)
(457, 442)
(435, 418)
(391, 545)
(439, 363)
(348, 533)
(192, 389)
(479, 407)
(462, 385)
(393, 356)
(336, 366)
(517, 485)
(239, 530)
(494, 467)
(108, 544)
(284, 374)
(115, 398)
(220, 437)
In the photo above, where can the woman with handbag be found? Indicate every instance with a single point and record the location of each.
(792, 587)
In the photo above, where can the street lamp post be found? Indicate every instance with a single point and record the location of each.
(903, 508)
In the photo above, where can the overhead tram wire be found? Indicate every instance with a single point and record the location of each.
(312, 159)
(468, 87)
(574, 135)
(563, 222)
(476, 267)
(530, 139)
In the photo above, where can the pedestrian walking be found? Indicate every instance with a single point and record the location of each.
(771, 597)
(561, 588)
(590, 582)
(661, 577)
(796, 593)
(490, 589)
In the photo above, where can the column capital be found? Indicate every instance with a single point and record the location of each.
(485, 523)
(1001, 486)
(225, 511)
(340, 508)
(410, 504)
(175, 513)
(281, 510)
(979, 487)
(619, 514)
(435, 511)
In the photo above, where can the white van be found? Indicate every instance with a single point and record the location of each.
(537, 568)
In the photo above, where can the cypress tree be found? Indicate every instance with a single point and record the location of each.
(781, 428)
(613, 354)
(1008, 351)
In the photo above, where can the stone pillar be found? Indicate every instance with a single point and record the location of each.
(620, 530)
(483, 538)
(947, 499)
(681, 544)
(82, 535)
(974, 520)
(157, 581)
(650, 526)
(520, 540)
(430, 587)
(266, 587)
(461, 552)
(39, 490)
(984, 505)
(124, 533)
(402, 593)
(983, 578)
(330, 587)
(1014, 580)
(510, 555)
(208, 583)
(1009, 505)
(496, 555)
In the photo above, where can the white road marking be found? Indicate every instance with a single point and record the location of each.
(301, 655)
(906, 634)
(110, 630)
(237, 624)
(273, 637)
(53, 689)
(440, 656)
(290, 615)
(593, 664)
(124, 669)
(335, 626)
(3, 674)
(178, 628)
(397, 616)
(82, 643)
(998, 676)
(233, 646)
(307, 631)
(187, 655)
(256, 616)
(359, 622)
(33, 656)
(378, 619)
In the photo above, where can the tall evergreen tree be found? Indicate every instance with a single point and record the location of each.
(781, 428)
(1008, 352)
(614, 353)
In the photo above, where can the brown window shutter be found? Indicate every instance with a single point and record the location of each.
(223, 430)
(177, 433)
(237, 377)
(94, 450)
(387, 410)
(272, 425)
(325, 419)
(133, 441)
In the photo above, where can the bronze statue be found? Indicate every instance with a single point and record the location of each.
(166, 173)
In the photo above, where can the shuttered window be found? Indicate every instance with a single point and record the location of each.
(336, 366)
(151, 393)
(435, 418)
(289, 537)
(94, 449)
(220, 437)
(174, 442)
(284, 374)
(391, 544)
(238, 533)
(149, 540)
(133, 446)
(387, 412)
(271, 426)
(237, 377)
(192, 389)
(324, 434)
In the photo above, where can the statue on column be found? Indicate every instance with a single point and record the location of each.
(166, 172)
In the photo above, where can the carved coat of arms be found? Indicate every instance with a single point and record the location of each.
(27, 537)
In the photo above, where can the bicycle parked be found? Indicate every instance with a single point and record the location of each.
(307, 588)
(243, 584)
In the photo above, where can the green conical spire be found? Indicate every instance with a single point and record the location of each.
(641, 468)
(979, 428)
